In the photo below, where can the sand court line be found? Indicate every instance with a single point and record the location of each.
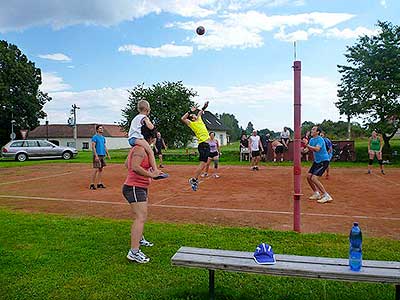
(36, 178)
(202, 208)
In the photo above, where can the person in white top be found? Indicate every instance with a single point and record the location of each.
(135, 136)
(285, 137)
(255, 146)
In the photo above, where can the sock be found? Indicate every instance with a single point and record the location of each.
(134, 251)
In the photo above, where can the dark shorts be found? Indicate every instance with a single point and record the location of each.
(318, 169)
(157, 151)
(99, 164)
(204, 151)
(279, 149)
(134, 194)
(213, 154)
(255, 153)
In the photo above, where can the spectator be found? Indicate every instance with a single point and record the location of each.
(265, 140)
(277, 148)
(244, 146)
(285, 137)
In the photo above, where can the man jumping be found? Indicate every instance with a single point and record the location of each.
(195, 122)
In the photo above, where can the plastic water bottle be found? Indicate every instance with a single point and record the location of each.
(355, 252)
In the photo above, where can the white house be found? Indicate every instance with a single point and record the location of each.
(63, 135)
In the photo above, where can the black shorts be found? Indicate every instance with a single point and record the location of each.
(157, 151)
(134, 194)
(213, 154)
(318, 169)
(255, 153)
(100, 163)
(204, 151)
(279, 149)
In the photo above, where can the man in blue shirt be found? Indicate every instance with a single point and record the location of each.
(99, 152)
(320, 164)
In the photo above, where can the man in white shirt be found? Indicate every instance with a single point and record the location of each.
(255, 146)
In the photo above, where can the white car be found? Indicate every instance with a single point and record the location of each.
(21, 150)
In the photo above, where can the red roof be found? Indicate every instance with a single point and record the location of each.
(83, 130)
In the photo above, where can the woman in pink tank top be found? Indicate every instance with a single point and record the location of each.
(135, 191)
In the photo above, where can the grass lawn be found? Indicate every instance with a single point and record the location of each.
(57, 257)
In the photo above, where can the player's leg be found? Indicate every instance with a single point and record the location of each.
(380, 161)
(152, 160)
(371, 155)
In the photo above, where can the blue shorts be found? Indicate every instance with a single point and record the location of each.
(132, 141)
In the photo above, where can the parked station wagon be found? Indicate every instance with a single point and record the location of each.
(21, 150)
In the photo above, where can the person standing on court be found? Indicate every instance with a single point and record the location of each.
(375, 145)
(285, 137)
(320, 164)
(135, 191)
(255, 146)
(158, 146)
(215, 152)
(100, 150)
(195, 122)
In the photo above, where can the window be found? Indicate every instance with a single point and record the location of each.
(71, 144)
(221, 139)
(44, 144)
(31, 144)
(17, 144)
(85, 145)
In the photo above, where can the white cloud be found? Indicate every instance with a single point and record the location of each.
(55, 56)
(348, 33)
(53, 83)
(244, 30)
(168, 50)
(383, 3)
(103, 105)
(21, 14)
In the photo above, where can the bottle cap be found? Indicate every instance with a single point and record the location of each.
(355, 223)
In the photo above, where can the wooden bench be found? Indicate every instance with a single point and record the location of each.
(287, 265)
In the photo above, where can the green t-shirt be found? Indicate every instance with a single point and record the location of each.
(375, 144)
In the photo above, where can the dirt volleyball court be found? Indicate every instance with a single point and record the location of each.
(240, 197)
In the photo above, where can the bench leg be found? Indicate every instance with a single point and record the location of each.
(397, 292)
(211, 284)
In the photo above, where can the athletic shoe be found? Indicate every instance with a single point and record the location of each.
(383, 172)
(274, 159)
(161, 176)
(217, 176)
(282, 159)
(92, 187)
(315, 196)
(204, 175)
(101, 186)
(194, 183)
(325, 198)
(256, 168)
(146, 243)
(139, 257)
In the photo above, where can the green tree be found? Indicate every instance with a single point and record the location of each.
(20, 97)
(230, 121)
(249, 128)
(168, 102)
(370, 84)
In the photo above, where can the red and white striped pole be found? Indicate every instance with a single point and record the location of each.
(296, 149)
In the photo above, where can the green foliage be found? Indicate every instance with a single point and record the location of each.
(20, 97)
(168, 102)
(249, 128)
(230, 121)
(56, 257)
(336, 130)
(370, 84)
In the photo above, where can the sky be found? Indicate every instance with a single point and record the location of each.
(91, 52)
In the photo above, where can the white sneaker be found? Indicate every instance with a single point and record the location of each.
(146, 243)
(325, 198)
(139, 257)
(315, 196)
(216, 176)
(204, 175)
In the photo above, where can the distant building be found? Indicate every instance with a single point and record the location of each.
(63, 135)
(214, 124)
